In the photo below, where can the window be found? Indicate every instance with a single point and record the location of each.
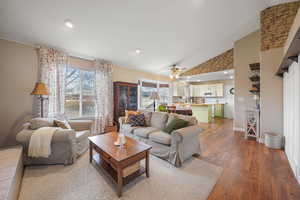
(79, 93)
(164, 93)
(146, 87)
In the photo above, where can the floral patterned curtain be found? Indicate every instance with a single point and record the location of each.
(104, 96)
(53, 66)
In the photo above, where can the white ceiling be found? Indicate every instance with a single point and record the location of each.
(168, 31)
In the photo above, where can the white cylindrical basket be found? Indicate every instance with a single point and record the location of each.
(273, 140)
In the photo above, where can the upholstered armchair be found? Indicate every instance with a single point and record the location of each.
(66, 144)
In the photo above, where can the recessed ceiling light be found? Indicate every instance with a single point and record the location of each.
(225, 72)
(231, 77)
(69, 24)
(138, 51)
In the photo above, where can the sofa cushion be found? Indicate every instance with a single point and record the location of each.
(127, 129)
(144, 131)
(37, 123)
(192, 120)
(175, 124)
(159, 120)
(160, 137)
(82, 135)
(147, 115)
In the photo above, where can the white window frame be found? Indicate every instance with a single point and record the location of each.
(157, 87)
(80, 94)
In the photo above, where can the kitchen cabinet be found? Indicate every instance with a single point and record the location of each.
(202, 112)
(207, 90)
(202, 90)
(179, 89)
(220, 90)
(219, 110)
(195, 90)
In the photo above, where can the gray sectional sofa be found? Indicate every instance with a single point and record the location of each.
(176, 147)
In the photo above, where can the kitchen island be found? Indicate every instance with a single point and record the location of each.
(205, 112)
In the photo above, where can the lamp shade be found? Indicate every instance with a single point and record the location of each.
(40, 89)
(154, 96)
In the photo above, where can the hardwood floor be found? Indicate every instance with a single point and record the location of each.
(251, 171)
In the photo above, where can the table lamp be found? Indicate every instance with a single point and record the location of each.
(40, 89)
(154, 96)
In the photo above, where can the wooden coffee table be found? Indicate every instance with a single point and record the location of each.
(113, 159)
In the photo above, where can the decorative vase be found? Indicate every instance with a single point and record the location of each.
(121, 140)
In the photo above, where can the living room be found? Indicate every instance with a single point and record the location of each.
(96, 103)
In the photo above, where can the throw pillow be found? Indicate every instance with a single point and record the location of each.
(137, 120)
(175, 124)
(62, 124)
(130, 112)
(37, 123)
(148, 115)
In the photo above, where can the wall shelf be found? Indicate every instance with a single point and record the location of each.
(254, 78)
(254, 67)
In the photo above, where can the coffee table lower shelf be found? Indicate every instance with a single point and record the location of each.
(112, 173)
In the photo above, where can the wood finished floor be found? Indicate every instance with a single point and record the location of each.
(251, 171)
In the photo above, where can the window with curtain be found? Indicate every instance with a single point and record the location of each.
(146, 87)
(79, 93)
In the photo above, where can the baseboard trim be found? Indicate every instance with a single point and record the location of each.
(238, 129)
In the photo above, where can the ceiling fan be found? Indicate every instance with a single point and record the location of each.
(175, 71)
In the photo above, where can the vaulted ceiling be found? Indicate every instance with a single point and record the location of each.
(169, 31)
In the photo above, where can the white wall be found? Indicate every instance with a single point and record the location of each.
(229, 99)
(291, 107)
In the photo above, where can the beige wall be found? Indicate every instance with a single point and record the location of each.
(18, 74)
(132, 76)
(271, 114)
(246, 51)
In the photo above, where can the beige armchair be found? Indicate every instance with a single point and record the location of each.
(66, 145)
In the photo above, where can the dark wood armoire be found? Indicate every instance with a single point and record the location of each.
(125, 98)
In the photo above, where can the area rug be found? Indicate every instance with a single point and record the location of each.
(85, 181)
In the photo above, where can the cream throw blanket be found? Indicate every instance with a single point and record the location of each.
(40, 142)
